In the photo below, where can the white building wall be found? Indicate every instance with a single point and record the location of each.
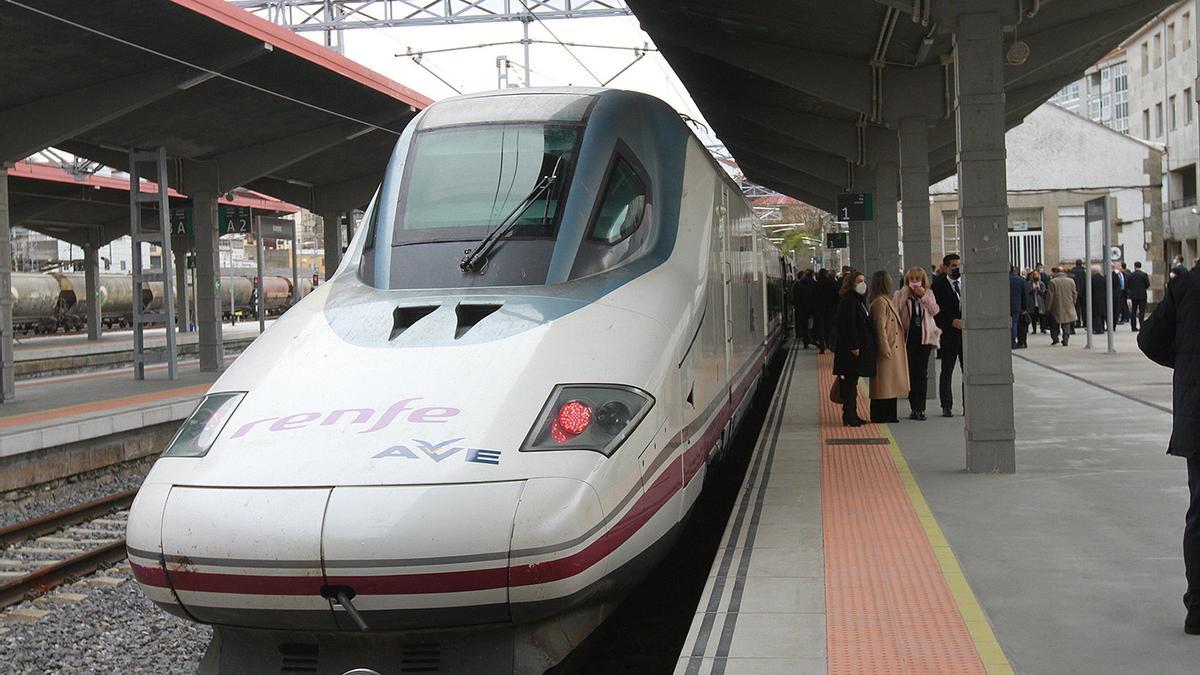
(1055, 150)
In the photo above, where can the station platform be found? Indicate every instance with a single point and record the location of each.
(39, 355)
(872, 550)
(61, 425)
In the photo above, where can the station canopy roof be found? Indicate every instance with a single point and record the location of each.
(64, 205)
(798, 89)
(230, 96)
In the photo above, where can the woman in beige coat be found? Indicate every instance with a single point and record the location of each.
(891, 361)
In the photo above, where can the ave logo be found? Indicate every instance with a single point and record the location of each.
(440, 451)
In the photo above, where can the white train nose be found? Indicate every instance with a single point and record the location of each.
(421, 556)
(405, 556)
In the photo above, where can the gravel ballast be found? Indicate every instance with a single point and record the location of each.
(113, 630)
(41, 500)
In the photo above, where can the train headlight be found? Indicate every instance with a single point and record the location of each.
(201, 429)
(596, 417)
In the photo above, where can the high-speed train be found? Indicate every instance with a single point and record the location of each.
(463, 450)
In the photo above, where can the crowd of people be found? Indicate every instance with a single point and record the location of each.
(889, 335)
(884, 334)
(1055, 302)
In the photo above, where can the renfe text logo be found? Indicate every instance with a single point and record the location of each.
(426, 415)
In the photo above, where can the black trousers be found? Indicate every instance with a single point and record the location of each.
(883, 410)
(918, 368)
(819, 330)
(1081, 311)
(948, 356)
(1137, 313)
(1191, 536)
(850, 398)
(802, 326)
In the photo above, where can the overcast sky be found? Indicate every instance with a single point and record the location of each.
(472, 70)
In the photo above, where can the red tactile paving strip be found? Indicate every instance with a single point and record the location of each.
(889, 608)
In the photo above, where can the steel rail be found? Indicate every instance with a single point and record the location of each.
(45, 578)
(36, 527)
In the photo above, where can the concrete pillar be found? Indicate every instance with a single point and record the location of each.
(914, 191)
(208, 274)
(1158, 257)
(856, 249)
(8, 385)
(983, 214)
(333, 241)
(870, 259)
(886, 221)
(91, 285)
(183, 313)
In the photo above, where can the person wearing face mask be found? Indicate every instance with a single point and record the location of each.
(917, 309)
(891, 362)
(854, 346)
(947, 291)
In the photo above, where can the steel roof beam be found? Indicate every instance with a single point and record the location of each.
(238, 167)
(1046, 47)
(51, 120)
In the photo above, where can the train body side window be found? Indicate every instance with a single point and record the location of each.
(619, 225)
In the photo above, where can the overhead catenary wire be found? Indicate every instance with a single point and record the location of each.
(203, 69)
(560, 42)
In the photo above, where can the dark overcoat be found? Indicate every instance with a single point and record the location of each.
(854, 331)
(1171, 337)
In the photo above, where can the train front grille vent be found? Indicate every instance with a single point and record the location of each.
(403, 318)
(298, 657)
(469, 315)
(421, 657)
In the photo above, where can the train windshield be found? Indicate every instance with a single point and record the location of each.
(461, 183)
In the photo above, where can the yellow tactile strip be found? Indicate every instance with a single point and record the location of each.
(896, 599)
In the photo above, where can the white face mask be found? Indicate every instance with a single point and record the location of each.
(861, 288)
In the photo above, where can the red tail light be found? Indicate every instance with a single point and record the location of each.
(574, 417)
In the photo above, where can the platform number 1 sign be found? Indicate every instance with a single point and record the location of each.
(855, 206)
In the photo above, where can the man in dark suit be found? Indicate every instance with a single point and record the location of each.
(1118, 295)
(1080, 276)
(1018, 294)
(947, 290)
(1139, 283)
(1171, 338)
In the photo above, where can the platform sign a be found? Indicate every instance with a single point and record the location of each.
(855, 206)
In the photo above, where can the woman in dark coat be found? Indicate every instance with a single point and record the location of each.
(854, 351)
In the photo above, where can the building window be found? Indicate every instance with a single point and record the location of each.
(1187, 30)
(122, 265)
(1171, 40)
(1157, 49)
(1146, 123)
(1120, 84)
(1158, 120)
(950, 236)
(1187, 106)
(1145, 59)
(1094, 108)
(1171, 113)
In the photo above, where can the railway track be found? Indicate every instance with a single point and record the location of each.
(42, 553)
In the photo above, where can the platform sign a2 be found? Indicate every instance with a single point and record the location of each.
(855, 206)
(230, 220)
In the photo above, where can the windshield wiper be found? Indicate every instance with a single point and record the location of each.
(476, 257)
